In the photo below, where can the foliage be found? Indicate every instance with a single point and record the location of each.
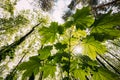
(92, 47)
(82, 67)
(45, 52)
(82, 29)
(32, 66)
(104, 26)
(46, 5)
(8, 6)
(48, 70)
(49, 33)
(12, 22)
(82, 18)
(103, 74)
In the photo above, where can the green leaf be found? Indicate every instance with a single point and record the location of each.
(87, 60)
(45, 52)
(91, 47)
(58, 57)
(13, 22)
(104, 74)
(8, 6)
(79, 33)
(60, 29)
(49, 33)
(32, 66)
(82, 18)
(60, 46)
(104, 27)
(48, 70)
(80, 74)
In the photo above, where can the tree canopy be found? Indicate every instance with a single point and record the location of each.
(42, 49)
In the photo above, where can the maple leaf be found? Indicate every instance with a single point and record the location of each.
(104, 27)
(82, 18)
(45, 52)
(92, 47)
(49, 33)
(32, 66)
(80, 74)
(104, 74)
(48, 70)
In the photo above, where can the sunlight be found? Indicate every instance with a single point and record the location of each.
(56, 13)
(77, 50)
(59, 9)
(23, 5)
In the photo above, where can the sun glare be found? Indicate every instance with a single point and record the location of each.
(23, 5)
(77, 50)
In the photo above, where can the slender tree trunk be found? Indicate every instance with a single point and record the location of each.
(5, 50)
(107, 4)
(101, 62)
(13, 72)
(114, 68)
(113, 55)
(14, 45)
(115, 44)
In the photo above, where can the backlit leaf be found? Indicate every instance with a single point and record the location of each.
(82, 18)
(45, 52)
(49, 33)
(32, 66)
(48, 70)
(104, 74)
(104, 27)
(91, 47)
(79, 33)
(80, 74)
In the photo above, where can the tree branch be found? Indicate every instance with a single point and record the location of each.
(107, 4)
(13, 72)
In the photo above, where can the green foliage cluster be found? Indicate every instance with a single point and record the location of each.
(81, 29)
(12, 22)
(30, 67)
(8, 5)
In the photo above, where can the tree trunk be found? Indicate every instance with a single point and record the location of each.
(5, 50)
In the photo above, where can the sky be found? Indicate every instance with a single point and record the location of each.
(23, 4)
(59, 10)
